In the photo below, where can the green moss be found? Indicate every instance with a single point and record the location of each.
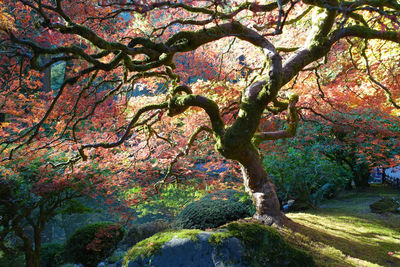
(217, 238)
(153, 244)
(238, 27)
(294, 97)
(264, 246)
(322, 23)
(213, 31)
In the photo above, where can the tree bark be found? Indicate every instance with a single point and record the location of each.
(260, 187)
(38, 244)
(361, 177)
(32, 259)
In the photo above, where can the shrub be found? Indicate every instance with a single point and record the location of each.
(214, 210)
(50, 254)
(142, 231)
(305, 176)
(93, 243)
(166, 204)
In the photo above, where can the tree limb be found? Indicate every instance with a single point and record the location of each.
(292, 119)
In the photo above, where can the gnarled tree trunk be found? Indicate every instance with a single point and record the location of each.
(260, 187)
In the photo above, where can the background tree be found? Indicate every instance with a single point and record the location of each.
(112, 46)
(29, 200)
(33, 194)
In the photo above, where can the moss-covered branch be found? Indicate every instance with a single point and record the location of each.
(180, 103)
(292, 119)
(365, 33)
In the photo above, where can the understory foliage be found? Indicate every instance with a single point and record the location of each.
(93, 243)
(166, 203)
(371, 141)
(31, 195)
(137, 233)
(215, 209)
(305, 175)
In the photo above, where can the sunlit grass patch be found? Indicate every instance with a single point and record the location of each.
(346, 233)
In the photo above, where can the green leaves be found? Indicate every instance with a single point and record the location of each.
(75, 206)
(301, 174)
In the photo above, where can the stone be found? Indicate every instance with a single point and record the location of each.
(234, 245)
(195, 253)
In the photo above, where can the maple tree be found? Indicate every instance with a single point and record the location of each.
(211, 69)
(328, 153)
(27, 205)
(349, 114)
(370, 142)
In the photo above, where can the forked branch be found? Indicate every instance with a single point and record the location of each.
(292, 119)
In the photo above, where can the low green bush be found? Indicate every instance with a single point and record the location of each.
(305, 176)
(93, 243)
(142, 231)
(214, 210)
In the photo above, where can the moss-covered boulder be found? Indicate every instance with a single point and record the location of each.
(386, 204)
(235, 245)
(215, 209)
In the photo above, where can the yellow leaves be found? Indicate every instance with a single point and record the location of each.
(4, 124)
(6, 20)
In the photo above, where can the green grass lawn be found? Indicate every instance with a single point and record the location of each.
(343, 231)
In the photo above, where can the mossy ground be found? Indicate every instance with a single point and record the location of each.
(344, 232)
(264, 246)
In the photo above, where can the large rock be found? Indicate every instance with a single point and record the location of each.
(386, 204)
(236, 245)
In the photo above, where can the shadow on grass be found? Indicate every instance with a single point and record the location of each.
(333, 244)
